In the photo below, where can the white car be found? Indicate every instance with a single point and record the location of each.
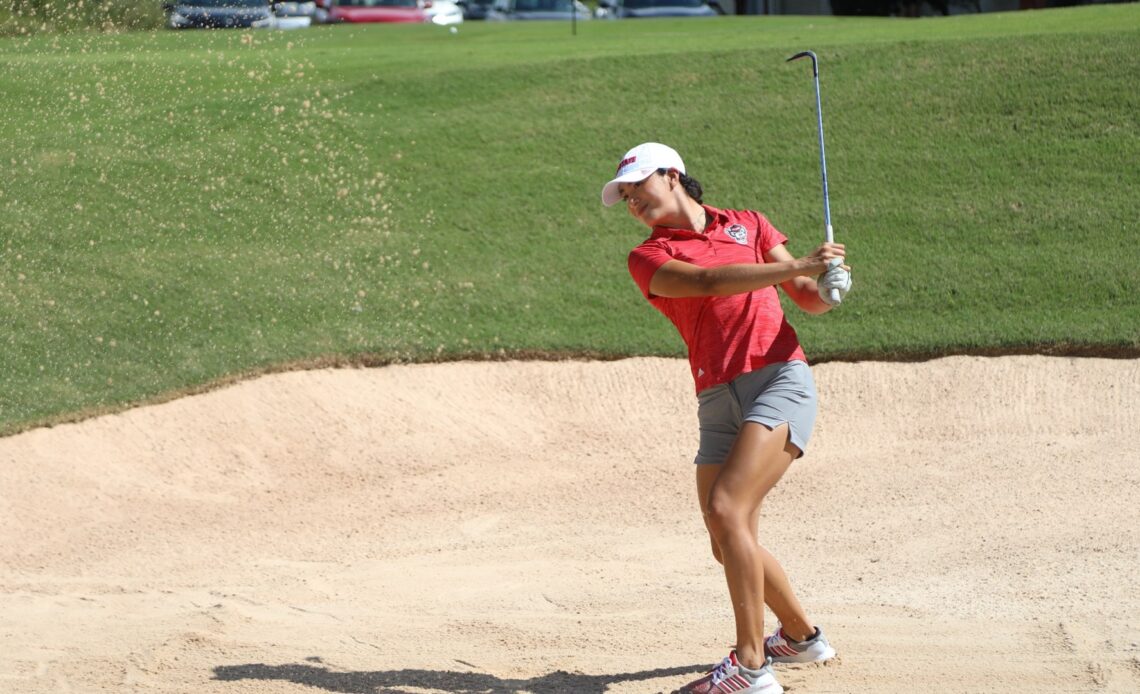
(443, 12)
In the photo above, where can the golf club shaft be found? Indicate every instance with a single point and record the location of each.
(829, 234)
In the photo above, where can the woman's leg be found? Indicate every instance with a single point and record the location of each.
(782, 600)
(731, 495)
(778, 593)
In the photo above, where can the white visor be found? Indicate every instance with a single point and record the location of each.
(638, 164)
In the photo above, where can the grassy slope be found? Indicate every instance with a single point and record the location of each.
(181, 207)
(28, 17)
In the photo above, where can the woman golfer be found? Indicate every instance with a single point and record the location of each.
(714, 273)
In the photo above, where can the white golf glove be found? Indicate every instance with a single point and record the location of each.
(835, 278)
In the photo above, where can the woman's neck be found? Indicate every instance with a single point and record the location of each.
(695, 216)
(691, 216)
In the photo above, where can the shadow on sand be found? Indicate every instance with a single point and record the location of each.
(395, 681)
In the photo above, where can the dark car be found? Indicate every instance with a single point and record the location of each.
(475, 9)
(537, 9)
(616, 9)
(185, 14)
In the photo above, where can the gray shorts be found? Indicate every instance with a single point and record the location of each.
(776, 394)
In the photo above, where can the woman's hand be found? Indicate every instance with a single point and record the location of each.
(805, 289)
(820, 260)
(837, 278)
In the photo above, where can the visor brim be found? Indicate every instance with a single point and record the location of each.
(610, 194)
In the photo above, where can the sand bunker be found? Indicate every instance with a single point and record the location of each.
(966, 524)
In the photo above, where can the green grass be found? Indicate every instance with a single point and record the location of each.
(181, 208)
(30, 17)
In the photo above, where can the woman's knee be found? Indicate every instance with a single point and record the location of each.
(726, 520)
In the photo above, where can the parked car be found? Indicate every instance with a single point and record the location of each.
(321, 16)
(295, 8)
(185, 14)
(293, 14)
(475, 9)
(537, 9)
(444, 12)
(401, 11)
(616, 9)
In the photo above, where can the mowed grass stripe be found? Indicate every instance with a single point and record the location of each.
(215, 204)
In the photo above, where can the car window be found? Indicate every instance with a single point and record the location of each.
(646, 4)
(542, 5)
(225, 3)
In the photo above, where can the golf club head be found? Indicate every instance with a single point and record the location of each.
(807, 54)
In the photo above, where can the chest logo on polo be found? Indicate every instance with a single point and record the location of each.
(738, 233)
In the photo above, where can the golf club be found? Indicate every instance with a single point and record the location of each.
(829, 235)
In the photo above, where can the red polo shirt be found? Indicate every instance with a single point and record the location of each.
(726, 335)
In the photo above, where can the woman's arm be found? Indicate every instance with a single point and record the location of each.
(803, 290)
(678, 279)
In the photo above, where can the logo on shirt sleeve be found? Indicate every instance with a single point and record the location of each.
(738, 233)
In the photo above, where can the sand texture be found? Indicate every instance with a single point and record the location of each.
(961, 525)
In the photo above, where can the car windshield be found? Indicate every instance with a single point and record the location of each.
(647, 4)
(542, 6)
(224, 3)
(377, 3)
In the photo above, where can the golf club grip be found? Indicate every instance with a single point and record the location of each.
(829, 236)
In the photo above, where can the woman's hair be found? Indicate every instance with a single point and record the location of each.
(691, 185)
